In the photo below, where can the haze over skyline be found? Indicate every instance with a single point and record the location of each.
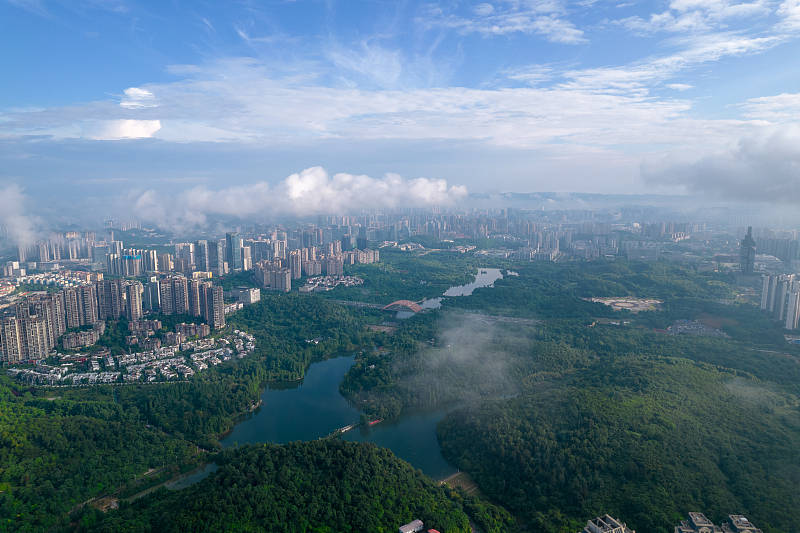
(124, 101)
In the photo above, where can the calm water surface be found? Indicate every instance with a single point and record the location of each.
(314, 408)
(485, 278)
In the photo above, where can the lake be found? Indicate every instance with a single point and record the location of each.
(314, 408)
(484, 278)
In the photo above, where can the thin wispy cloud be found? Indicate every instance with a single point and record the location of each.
(547, 19)
(697, 16)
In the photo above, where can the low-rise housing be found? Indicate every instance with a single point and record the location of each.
(328, 283)
(606, 524)
(156, 364)
(699, 523)
(412, 527)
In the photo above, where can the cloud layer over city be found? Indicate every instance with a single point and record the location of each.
(309, 192)
(763, 166)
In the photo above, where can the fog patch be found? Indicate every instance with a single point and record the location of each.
(22, 227)
(465, 364)
(753, 393)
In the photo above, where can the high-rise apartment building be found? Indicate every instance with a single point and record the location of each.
(88, 303)
(793, 310)
(195, 287)
(262, 250)
(109, 299)
(24, 338)
(247, 258)
(334, 266)
(779, 297)
(201, 258)
(214, 305)
(150, 260)
(151, 297)
(133, 300)
(174, 293)
(216, 251)
(165, 263)
(296, 264)
(11, 340)
(280, 279)
(184, 251)
(234, 250)
(37, 343)
(312, 268)
(72, 308)
(48, 308)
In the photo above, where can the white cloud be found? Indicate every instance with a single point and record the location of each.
(136, 98)
(639, 78)
(790, 11)
(312, 191)
(114, 130)
(236, 101)
(679, 86)
(532, 75)
(781, 108)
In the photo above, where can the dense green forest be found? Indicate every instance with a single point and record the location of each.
(646, 439)
(320, 486)
(564, 416)
(56, 452)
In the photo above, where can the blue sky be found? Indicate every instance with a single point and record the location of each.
(112, 99)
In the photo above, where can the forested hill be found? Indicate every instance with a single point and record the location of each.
(643, 438)
(320, 487)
